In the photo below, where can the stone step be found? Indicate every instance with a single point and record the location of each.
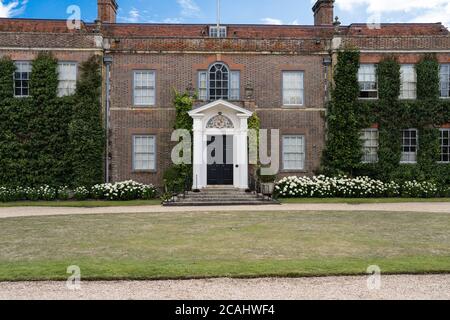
(225, 196)
(219, 203)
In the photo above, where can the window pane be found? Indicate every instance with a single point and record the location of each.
(218, 82)
(408, 82)
(445, 145)
(144, 88)
(144, 153)
(293, 88)
(21, 78)
(293, 153)
(370, 139)
(409, 146)
(367, 80)
(444, 75)
(67, 76)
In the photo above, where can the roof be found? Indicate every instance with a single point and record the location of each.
(234, 30)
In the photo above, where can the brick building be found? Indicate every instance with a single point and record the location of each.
(283, 73)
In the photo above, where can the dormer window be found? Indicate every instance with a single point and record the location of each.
(218, 32)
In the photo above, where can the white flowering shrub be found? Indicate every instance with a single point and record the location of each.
(414, 189)
(63, 193)
(123, 191)
(81, 193)
(345, 187)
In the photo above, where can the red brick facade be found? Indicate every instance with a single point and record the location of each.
(178, 52)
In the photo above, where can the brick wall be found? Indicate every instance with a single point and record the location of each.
(177, 71)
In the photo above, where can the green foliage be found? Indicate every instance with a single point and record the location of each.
(388, 74)
(347, 117)
(86, 133)
(35, 148)
(428, 78)
(183, 104)
(175, 177)
(7, 69)
(343, 148)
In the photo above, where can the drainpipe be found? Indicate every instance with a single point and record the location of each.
(108, 61)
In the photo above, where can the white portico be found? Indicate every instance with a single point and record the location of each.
(220, 119)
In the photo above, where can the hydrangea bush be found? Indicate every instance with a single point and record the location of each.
(127, 190)
(121, 191)
(360, 187)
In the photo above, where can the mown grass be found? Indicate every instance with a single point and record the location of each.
(229, 244)
(81, 204)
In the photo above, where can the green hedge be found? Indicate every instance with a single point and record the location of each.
(38, 142)
(347, 116)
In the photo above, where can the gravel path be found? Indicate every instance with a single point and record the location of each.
(392, 287)
(398, 207)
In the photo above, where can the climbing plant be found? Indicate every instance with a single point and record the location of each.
(36, 147)
(176, 175)
(85, 129)
(343, 148)
(347, 116)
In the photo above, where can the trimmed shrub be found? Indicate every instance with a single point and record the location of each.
(360, 187)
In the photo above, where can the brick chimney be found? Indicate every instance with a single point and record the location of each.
(107, 11)
(323, 12)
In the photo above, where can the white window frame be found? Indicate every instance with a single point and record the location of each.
(150, 89)
(151, 154)
(301, 153)
(366, 73)
(371, 142)
(288, 92)
(213, 32)
(409, 157)
(27, 70)
(67, 84)
(234, 84)
(442, 145)
(408, 82)
(444, 81)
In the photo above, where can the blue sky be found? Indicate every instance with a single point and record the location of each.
(233, 11)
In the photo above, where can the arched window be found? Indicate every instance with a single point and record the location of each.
(219, 83)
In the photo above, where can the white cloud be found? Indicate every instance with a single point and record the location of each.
(272, 21)
(134, 15)
(421, 10)
(10, 9)
(189, 8)
(279, 22)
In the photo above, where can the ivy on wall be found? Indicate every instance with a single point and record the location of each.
(343, 148)
(347, 116)
(86, 132)
(36, 145)
(176, 176)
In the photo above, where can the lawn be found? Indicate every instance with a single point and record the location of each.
(231, 244)
(81, 204)
(361, 200)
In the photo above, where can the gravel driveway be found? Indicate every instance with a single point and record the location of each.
(441, 207)
(392, 287)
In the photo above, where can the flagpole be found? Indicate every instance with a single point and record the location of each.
(218, 18)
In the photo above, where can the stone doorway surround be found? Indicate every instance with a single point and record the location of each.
(220, 118)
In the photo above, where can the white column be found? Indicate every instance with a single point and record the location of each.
(242, 152)
(198, 179)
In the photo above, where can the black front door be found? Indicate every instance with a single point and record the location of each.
(220, 160)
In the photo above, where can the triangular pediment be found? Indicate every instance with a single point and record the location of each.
(223, 104)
